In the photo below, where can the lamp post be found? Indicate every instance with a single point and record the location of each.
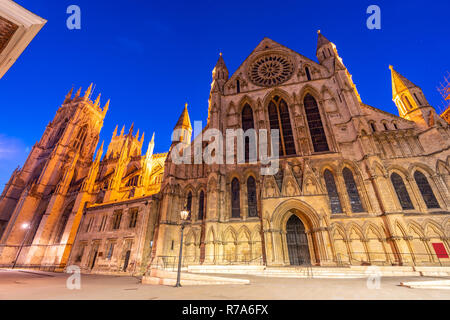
(184, 214)
(25, 226)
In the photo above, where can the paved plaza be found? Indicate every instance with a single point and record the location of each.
(25, 284)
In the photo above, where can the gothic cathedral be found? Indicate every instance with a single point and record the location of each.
(355, 185)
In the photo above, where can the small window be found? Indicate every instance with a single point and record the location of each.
(385, 126)
(308, 74)
(238, 86)
(189, 205)
(235, 199)
(133, 217)
(117, 217)
(110, 251)
(373, 127)
(417, 99)
(201, 205)
(395, 125)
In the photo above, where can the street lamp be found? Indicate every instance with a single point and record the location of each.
(184, 214)
(24, 226)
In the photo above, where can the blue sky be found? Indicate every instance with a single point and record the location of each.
(150, 57)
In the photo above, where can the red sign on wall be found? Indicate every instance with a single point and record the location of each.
(440, 250)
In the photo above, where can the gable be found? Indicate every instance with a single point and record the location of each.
(267, 59)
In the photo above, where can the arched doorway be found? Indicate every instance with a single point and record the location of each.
(297, 242)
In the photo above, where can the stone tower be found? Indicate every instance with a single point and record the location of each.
(38, 204)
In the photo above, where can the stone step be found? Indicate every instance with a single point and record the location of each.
(163, 277)
(436, 284)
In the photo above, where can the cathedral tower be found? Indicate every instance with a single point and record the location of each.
(37, 202)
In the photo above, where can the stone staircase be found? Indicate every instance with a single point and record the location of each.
(323, 272)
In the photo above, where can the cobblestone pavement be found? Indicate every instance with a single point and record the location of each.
(23, 284)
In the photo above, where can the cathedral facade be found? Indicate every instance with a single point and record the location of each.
(355, 185)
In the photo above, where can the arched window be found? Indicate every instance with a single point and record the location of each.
(238, 86)
(401, 191)
(81, 137)
(189, 204)
(385, 126)
(251, 197)
(308, 74)
(330, 183)
(426, 191)
(352, 191)
(373, 127)
(201, 205)
(280, 120)
(318, 137)
(395, 125)
(248, 123)
(235, 199)
(407, 103)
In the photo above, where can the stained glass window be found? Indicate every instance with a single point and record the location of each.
(201, 205)
(318, 137)
(235, 199)
(279, 119)
(426, 191)
(189, 205)
(248, 123)
(352, 191)
(335, 202)
(251, 197)
(402, 192)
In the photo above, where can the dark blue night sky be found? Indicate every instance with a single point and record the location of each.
(150, 57)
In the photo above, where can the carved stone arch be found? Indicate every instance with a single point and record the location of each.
(442, 167)
(422, 167)
(338, 228)
(378, 168)
(404, 173)
(229, 235)
(191, 237)
(246, 99)
(290, 186)
(243, 231)
(304, 211)
(211, 235)
(282, 94)
(249, 172)
(370, 226)
(434, 226)
(235, 174)
(357, 228)
(308, 88)
(212, 184)
(417, 228)
(270, 187)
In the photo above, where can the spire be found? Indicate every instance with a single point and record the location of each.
(115, 131)
(97, 101)
(131, 129)
(220, 71)
(88, 92)
(78, 93)
(106, 107)
(399, 82)
(183, 121)
(137, 134)
(142, 138)
(69, 95)
(321, 40)
(99, 152)
(122, 131)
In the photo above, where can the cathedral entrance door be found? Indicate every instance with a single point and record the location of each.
(297, 242)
